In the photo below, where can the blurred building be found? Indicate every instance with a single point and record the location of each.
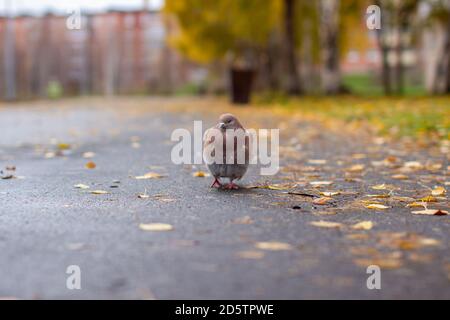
(115, 52)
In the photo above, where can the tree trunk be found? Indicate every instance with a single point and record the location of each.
(384, 49)
(399, 69)
(329, 38)
(294, 84)
(442, 74)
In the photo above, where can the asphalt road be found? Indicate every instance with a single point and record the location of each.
(47, 225)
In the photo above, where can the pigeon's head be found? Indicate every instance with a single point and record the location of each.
(229, 121)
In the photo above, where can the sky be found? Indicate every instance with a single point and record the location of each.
(40, 6)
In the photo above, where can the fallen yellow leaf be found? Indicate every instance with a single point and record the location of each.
(81, 186)
(149, 175)
(356, 168)
(363, 225)
(380, 187)
(321, 183)
(99, 192)
(438, 191)
(326, 224)
(155, 227)
(200, 174)
(329, 193)
(273, 246)
(250, 254)
(376, 206)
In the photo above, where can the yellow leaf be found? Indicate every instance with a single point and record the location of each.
(63, 146)
(379, 196)
(376, 206)
(317, 161)
(99, 192)
(428, 199)
(81, 186)
(250, 254)
(155, 227)
(356, 168)
(380, 187)
(149, 175)
(329, 193)
(90, 165)
(326, 224)
(363, 225)
(415, 165)
(273, 246)
(321, 183)
(438, 191)
(416, 205)
(432, 212)
(200, 174)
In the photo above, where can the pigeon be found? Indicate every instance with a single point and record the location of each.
(229, 164)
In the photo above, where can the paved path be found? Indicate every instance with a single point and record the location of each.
(46, 224)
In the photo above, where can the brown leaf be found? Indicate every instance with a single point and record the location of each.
(90, 165)
(432, 212)
(322, 200)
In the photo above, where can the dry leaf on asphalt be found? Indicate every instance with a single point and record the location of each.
(99, 192)
(379, 187)
(88, 155)
(321, 183)
(149, 175)
(81, 186)
(356, 168)
(363, 225)
(438, 191)
(250, 254)
(90, 165)
(273, 246)
(243, 220)
(376, 206)
(155, 227)
(322, 200)
(200, 174)
(329, 193)
(326, 224)
(431, 212)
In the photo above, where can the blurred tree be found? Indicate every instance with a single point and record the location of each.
(440, 15)
(336, 20)
(290, 18)
(235, 31)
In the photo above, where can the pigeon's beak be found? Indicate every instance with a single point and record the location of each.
(222, 125)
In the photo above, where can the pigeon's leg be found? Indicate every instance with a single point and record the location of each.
(231, 185)
(216, 183)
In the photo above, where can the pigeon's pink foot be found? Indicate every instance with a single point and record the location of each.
(216, 183)
(232, 186)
